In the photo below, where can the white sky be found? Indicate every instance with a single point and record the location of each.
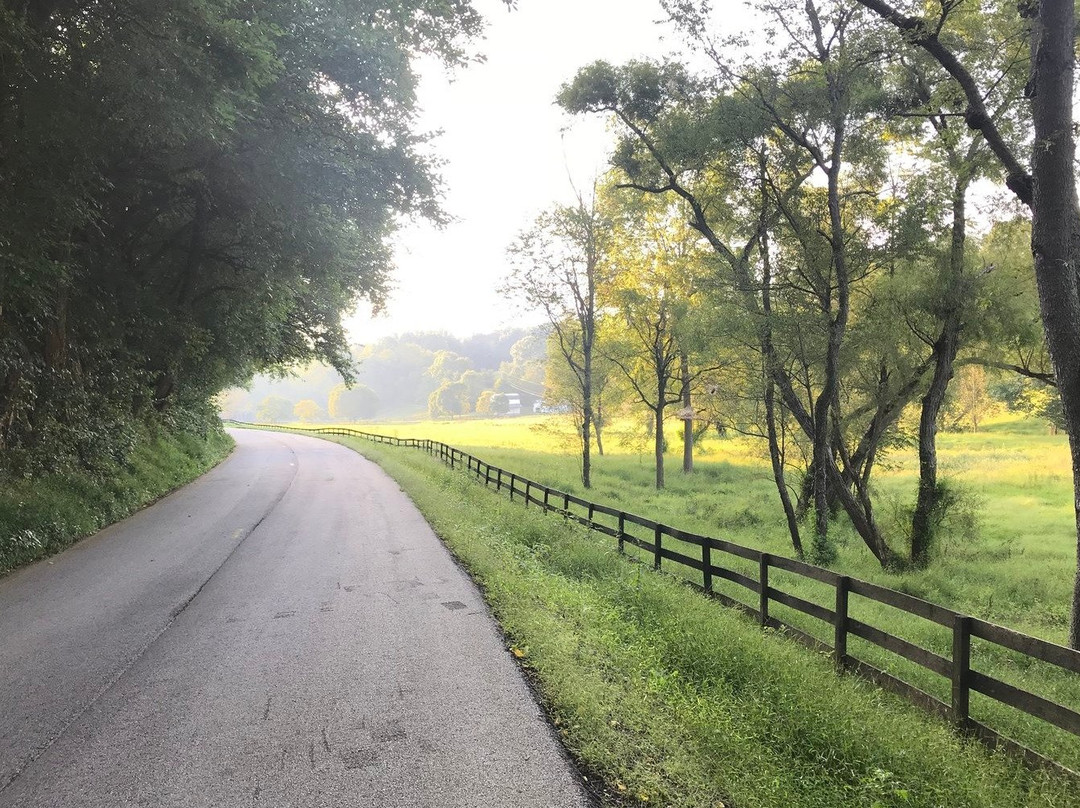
(509, 153)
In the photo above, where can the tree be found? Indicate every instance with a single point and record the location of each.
(274, 410)
(307, 411)
(476, 382)
(357, 403)
(448, 366)
(483, 404)
(969, 402)
(1048, 187)
(562, 391)
(200, 208)
(556, 267)
(450, 399)
(771, 126)
(652, 296)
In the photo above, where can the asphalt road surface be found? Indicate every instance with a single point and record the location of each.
(286, 631)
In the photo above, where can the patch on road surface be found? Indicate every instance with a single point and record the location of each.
(454, 605)
(391, 732)
(360, 759)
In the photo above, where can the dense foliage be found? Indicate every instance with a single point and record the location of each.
(193, 191)
(46, 514)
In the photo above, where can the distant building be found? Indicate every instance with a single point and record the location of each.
(513, 404)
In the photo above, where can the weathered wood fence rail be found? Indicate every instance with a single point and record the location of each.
(626, 528)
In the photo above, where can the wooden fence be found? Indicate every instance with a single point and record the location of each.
(648, 535)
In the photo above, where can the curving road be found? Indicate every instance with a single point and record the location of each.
(285, 631)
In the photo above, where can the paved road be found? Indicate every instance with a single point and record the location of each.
(286, 631)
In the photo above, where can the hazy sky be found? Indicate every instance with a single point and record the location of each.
(509, 152)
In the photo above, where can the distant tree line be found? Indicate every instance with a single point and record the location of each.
(431, 374)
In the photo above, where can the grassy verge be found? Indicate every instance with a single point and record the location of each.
(43, 516)
(1008, 554)
(673, 700)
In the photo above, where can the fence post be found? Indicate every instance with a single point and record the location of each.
(961, 666)
(622, 530)
(656, 547)
(763, 580)
(512, 478)
(546, 492)
(498, 480)
(565, 507)
(706, 565)
(451, 458)
(528, 487)
(843, 584)
(591, 506)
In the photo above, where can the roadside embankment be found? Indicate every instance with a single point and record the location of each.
(41, 516)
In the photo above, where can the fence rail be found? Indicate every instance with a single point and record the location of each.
(956, 669)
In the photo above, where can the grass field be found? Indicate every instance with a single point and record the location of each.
(1008, 556)
(1009, 553)
(668, 699)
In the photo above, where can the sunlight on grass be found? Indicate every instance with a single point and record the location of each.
(674, 700)
(1009, 555)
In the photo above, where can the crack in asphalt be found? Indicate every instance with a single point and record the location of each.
(173, 615)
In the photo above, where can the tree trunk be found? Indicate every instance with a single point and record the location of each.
(862, 520)
(819, 480)
(586, 421)
(945, 348)
(658, 444)
(776, 455)
(776, 452)
(688, 422)
(1055, 227)
(837, 327)
(929, 497)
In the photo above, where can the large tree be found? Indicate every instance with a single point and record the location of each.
(1046, 183)
(808, 111)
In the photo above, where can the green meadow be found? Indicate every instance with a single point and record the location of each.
(1006, 554)
(666, 698)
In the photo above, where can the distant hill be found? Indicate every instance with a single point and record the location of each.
(415, 374)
